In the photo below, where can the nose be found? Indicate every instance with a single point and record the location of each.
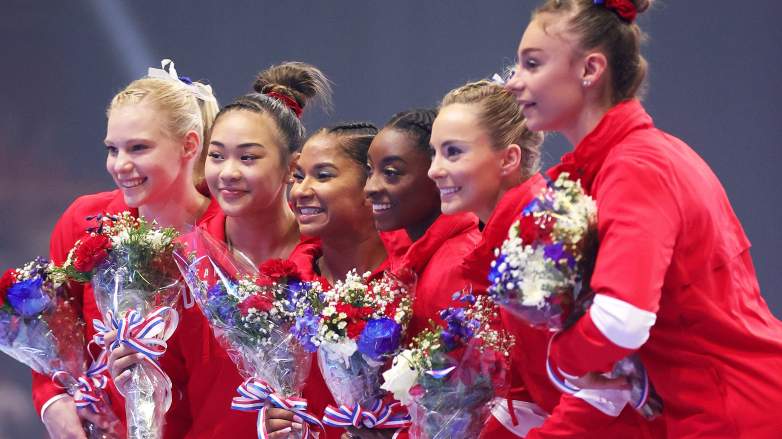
(436, 170)
(230, 172)
(515, 84)
(301, 190)
(123, 164)
(372, 186)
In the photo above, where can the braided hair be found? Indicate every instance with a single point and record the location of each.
(416, 123)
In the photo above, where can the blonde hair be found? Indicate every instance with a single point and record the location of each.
(500, 115)
(182, 110)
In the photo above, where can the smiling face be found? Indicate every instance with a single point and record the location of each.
(465, 165)
(144, 160)
(401, 194)
(245, 169)
(548, 79)
(328, 190)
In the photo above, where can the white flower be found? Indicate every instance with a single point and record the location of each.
(401, 377)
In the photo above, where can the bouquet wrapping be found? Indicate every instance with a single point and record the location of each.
(254, 315)
(40, 327)
(450, 376)
(130, 264)
(361, 327)
(541, 274)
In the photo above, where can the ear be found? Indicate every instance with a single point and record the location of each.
(292, 163)
(192, 145)
(595, 66)
(510, 160)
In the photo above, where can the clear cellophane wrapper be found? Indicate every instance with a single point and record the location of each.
(459, 404)
(121, 288)
(51, 342)
(218, 282)
(352, 378)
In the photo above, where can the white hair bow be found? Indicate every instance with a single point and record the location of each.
(168, 72)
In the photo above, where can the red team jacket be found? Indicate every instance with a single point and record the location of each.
(435, 257)
(569, 416)
(674, 280)
(70, 227)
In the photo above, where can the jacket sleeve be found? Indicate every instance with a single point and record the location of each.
(638, 223)
(44, 391)
(573, 417)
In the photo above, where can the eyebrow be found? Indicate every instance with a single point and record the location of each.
(392, 158)
(241, 145)
(528, 50)
(138, 140)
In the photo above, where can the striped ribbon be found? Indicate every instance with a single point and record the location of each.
(380, 416)
(254, 394)
(87, 392)
(564, 386)
(146, 335)
(440, 373)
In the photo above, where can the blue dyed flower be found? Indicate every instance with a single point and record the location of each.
(495, 275)
(556, 252)
(305, 329)
(28, 298)
(215, 291)
(379, 338)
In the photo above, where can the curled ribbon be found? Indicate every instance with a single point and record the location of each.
(86, 393)
(146, 335)
(380, 416)
(168, 72)
(254, 395)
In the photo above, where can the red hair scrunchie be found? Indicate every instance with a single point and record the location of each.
(624, 8)
(287, 100)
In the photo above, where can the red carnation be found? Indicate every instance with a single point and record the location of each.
(90, 252)
(6, 281)
(354, 312)
(264, 281)
(278, 269)
(260, 303)
(355, 328)
(533, 229)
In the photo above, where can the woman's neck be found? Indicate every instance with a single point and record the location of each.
(586, 121)
(272, 234)
(362, 250)
(416, 231)
(506, 184)
(179, 209)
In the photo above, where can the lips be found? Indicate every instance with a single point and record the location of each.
(130, 183)
(448, 191)
(309, 210)
(230, 193)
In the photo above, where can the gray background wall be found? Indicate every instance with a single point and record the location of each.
(714, 81)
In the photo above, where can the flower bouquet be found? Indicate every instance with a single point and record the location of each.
(450, 375)
(361, 327)
(542, 272)
(136, 282)
(40, 327)
(255, 316)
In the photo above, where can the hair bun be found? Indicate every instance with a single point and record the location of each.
(300, 81)
(642, 5)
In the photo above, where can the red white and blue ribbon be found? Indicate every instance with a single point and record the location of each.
(254, 395)
(87, 393)
(146, 335)
(380, 416)
(563, 385)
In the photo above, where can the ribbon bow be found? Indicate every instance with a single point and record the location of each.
(380, 416)
(146, 335)
(254, 395)
(168, 72)
(87, 391)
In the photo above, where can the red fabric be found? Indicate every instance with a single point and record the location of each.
(623, 8)
(570, 416)
(436, 258)
(671, 244)
(69, 228)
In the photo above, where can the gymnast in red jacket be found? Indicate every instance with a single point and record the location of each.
(403, 197)
(673, 279)
(486, 161)
(154, 154)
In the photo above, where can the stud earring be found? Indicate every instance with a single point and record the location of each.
(586, 83)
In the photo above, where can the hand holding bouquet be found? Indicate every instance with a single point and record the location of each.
(450, 375)
(130, 264)
(40, 327)
(542, 274)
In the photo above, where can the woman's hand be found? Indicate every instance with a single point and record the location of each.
(62, 420)
(280, 423)
(363, 433)
(121, 360)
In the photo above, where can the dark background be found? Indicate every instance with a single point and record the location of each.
(714, 82)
